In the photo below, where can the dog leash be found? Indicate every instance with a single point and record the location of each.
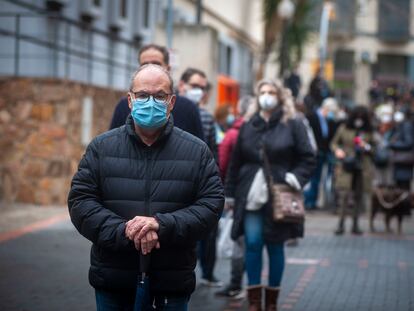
(389, 205)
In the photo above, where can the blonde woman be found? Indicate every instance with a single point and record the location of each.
(276, 129)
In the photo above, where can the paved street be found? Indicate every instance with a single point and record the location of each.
(44, 264)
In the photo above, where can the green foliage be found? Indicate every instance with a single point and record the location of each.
(299, 29)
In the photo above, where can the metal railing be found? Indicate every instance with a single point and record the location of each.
(66, 48)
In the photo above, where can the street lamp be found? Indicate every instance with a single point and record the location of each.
(285, 11)
(323, 35)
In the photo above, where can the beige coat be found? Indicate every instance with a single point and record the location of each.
(344, 139)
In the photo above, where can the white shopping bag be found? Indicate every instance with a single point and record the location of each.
(224, 241)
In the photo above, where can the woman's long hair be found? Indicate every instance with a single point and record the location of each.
(284, 97)
(359, 112)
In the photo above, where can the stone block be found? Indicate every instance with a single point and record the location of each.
(40, 146)
(52, 131)
(26, 193)
(8, 186)
(23, 110)
(5, 116)
(35, 168)
(42, 111)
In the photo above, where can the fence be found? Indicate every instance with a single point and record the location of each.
(50, 45)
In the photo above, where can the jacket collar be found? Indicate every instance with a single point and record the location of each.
(259, 123)
(165, 133)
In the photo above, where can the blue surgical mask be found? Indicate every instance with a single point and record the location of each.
(230, 119)
(330, 116)
(149, 114)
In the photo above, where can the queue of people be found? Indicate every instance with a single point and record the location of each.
(150, 192)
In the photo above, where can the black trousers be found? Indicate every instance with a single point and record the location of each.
(207, 254)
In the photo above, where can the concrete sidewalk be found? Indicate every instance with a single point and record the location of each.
(44, 266)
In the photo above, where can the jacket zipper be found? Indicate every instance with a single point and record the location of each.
(147, 181)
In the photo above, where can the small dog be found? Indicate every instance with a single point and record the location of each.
(393, 202)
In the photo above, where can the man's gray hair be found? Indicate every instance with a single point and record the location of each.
(131, 85)
(244, 104)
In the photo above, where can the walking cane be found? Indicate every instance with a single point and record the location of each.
(142, 294)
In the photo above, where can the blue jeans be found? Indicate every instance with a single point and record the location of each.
(311, 194)
(253, 230)
(116, 301)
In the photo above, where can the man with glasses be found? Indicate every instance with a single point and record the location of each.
(145, 189)
(186, 115)
(194, 85)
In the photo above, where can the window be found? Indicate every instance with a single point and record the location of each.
(146, 13)
(394, 20)
(123, 7)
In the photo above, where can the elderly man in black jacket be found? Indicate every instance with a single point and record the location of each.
(145, 189)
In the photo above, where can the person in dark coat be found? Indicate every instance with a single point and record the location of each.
(323, 125)
(402, 141)
(186, 115)
(193, 85)
(246, 108)
(318, 91)
(145, 189)
(292, 160)
(293, 82)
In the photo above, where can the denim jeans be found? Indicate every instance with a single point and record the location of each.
(109, 301)
(253, 229)
(114, 301)
(311, 193)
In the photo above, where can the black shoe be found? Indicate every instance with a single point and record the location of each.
(292, 242)
(339, 231)
(229, 291)
(357, 231)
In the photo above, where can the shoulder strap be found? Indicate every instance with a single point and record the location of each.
(266, 167)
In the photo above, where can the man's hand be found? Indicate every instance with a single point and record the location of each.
(229, 203)
(339, 153)
(139, 226)
(147, 243)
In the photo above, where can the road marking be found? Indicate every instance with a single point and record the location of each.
(35, 226)
(302, 261)
(300, 287)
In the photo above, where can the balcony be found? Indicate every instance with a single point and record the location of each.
(394, 21)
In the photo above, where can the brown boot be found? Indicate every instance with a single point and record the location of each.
(254, 294)
(272, 293)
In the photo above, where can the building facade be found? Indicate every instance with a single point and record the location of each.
(65, 64)
(368, 40)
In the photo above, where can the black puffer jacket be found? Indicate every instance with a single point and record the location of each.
(288, 150)
(119, 177)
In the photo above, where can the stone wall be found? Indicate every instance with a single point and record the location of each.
(40, 135)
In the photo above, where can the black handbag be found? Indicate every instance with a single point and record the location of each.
(403, 157)
(381, 157)
(352, 164)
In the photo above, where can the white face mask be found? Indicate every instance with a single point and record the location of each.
(386, 118)
(194, 95)
(399, 117)
(267, 102)
(358, 123)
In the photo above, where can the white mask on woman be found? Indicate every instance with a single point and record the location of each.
(398, 116)
(267, 102)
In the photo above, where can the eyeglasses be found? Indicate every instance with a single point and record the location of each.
(160, 98)
(198, 86)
